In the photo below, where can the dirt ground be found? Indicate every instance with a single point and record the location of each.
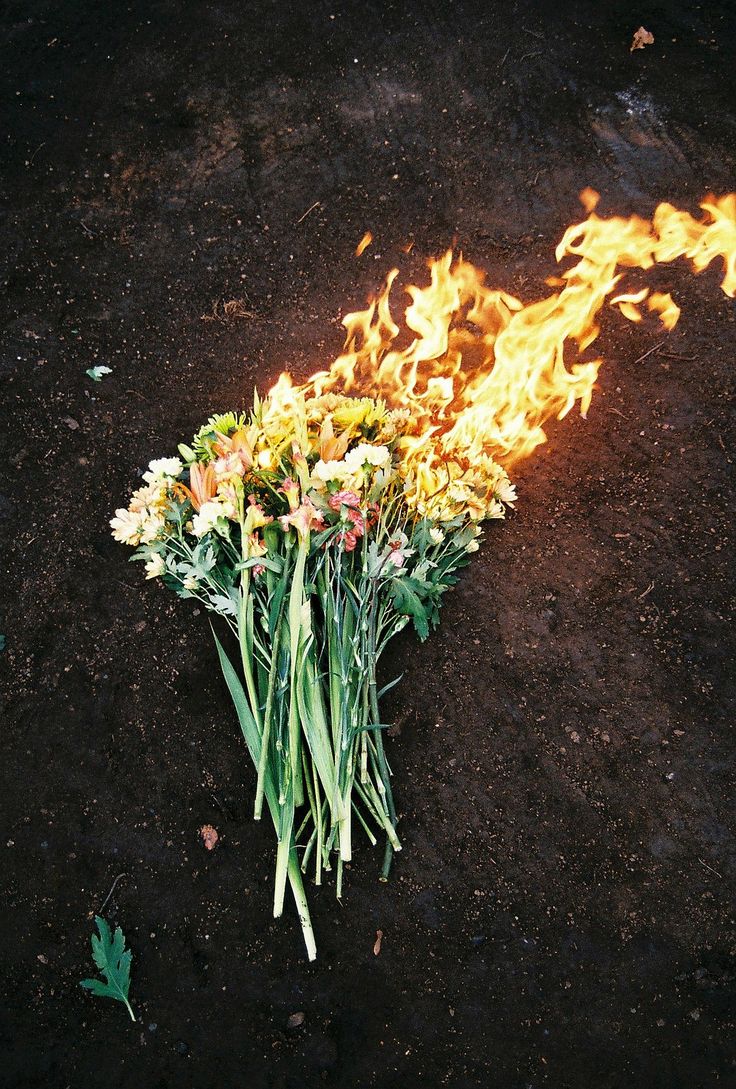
(562, 912)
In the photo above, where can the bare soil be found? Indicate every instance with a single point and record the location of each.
(562, 912)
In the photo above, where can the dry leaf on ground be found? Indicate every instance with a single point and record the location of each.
(642, 37)
(209, 836)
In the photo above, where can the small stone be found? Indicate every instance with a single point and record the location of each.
(295, 1021)
(71, 423)
(182, 1048)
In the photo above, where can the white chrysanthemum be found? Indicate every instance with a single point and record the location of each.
(150, 495)
(364, 454)
(505, 491)
(436, 535)
(338, 472)
(495, 509)
(472, 546)
(206, 519)
(152, 524)
(155, 567)
(190, 583)
(227, 508)
(162, 467)
(126, 526)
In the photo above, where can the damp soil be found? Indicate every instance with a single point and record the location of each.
(562, 912)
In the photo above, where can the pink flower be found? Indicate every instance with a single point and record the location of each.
(397, 555)
(347, 503)
(305, 518)
(348, 539)
(290, 489)
(345, 499)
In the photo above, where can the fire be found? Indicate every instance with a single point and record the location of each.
(483, 372)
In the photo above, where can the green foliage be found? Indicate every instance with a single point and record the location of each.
(113, 960)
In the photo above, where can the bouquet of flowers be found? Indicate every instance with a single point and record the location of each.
(319, 524)
(306, 525)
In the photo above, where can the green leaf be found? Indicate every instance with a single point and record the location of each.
(223, 605)
(187, 453)
(387, 687)
(408, 602)
(113, 960)
(96, 373)
(2, 642)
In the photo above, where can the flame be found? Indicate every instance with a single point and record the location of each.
(364, 243)
(483, 372)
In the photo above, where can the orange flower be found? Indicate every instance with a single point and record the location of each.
(236, 450)
(203, 485)
(330, 448)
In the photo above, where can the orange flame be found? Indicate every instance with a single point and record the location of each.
(483, 372)
(364, 243)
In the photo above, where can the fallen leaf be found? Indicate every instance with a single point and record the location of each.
(377, 945)
(642, 37)
(209, 836)
(96, 373)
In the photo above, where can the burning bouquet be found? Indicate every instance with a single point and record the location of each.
(324, 520)
(305, 526)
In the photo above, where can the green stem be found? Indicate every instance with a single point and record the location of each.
(300, 897)
(296, 601)
(266, 730)
(283, 858)
(245, 639)
(385, 774)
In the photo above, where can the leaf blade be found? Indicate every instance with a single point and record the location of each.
(113, 960)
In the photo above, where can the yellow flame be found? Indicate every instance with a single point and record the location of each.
(364, 243)
(482, 372)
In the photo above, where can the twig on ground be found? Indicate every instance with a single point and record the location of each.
(311, 209)
(112, 890)
(654, 349)
(710, 868)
